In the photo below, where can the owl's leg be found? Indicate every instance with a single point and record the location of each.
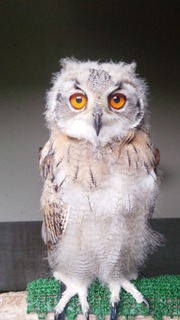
(72, 288)
(137, 295)
(67, 295)
(115, 289)
(70, 291)
(82, 293)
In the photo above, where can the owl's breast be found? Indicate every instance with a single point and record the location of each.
(79, 163)
(106, 180)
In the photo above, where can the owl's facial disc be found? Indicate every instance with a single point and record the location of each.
(97, 114)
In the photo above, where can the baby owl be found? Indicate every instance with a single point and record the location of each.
(100, 179)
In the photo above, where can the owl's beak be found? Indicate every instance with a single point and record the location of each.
(97, 115)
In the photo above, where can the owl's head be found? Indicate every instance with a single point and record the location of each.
(96, 101)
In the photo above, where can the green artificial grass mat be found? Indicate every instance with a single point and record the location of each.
(163, 294)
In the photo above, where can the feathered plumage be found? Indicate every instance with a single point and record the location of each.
(100, 178)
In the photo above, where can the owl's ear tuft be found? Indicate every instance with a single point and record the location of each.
(64, 62)
(132, 67)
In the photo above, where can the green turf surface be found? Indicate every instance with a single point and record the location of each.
(163, 294)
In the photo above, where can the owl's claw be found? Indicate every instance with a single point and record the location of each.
(113, 315)
(59, 316)
(86, 314)
(147, 304)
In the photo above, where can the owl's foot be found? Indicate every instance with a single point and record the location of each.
(129, 287)
(67, 292)
(115, 288)
(58, 315)
(66, 296)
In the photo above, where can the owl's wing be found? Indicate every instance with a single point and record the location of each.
(142, 155)
(55, 211)
(157, 156)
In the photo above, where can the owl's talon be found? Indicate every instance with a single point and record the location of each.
(113, 315)
(59, 316)
(86, 314)
(147, 304)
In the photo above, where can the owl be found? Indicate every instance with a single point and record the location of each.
(101, 182)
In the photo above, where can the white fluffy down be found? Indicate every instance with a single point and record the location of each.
(106, 233)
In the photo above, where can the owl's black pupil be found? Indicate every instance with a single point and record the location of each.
(79, 99)
(116, 99)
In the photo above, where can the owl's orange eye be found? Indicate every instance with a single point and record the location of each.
(117, 100)
(78, 100)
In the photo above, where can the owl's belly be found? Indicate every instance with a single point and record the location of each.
(101, 222)
(115, 196)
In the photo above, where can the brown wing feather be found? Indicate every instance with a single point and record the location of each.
(55, 211)
(140, 152)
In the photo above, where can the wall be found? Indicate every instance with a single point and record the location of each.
(34, 36)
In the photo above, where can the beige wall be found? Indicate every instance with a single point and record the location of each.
(34, 36)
